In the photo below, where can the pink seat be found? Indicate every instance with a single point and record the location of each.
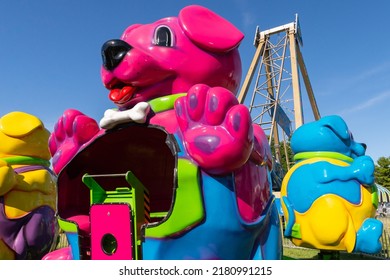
(83, 223)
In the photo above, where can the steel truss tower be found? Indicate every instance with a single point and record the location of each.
(276, 101)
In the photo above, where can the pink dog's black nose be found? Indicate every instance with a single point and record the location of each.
(113, 52)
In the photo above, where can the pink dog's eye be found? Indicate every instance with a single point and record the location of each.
(163, 37)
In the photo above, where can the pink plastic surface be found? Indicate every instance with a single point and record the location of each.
(204, 51)
(155, 71)
(115, 220)
(217, 131)
(60, 254)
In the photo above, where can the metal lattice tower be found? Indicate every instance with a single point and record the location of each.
(276, 101)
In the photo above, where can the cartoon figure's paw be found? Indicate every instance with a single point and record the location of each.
(72, 130)
(363, 168)
(217, 130)
(368, 237)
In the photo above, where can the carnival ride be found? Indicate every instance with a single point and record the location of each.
(277, 102)
(276, 105)
(329, 197)
(183, 170)
(28, 194)
(180, 167)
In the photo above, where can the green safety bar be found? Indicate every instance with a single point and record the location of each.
(187, 210)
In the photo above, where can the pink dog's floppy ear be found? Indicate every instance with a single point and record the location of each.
(209, 30)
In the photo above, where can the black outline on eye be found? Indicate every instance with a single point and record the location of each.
(170, 39)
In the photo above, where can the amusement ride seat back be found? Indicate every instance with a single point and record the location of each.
(112, 232)
(125, 207)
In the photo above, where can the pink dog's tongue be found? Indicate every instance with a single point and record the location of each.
(122, 95)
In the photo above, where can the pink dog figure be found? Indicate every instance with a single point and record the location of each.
(181, 74)
(169, 57)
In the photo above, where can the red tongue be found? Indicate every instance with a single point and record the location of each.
(122, 95)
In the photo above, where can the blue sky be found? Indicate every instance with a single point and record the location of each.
(50, 54)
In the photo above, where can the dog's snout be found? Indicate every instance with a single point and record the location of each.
(113, 52)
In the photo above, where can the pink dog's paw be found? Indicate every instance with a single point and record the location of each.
(72, 130)
(217, 130)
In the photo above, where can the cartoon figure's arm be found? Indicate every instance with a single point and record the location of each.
(7, 178)
(361, 169)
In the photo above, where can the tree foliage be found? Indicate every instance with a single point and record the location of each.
(286, 159)
(280, 168)
(382, 172)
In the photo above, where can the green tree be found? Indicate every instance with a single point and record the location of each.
(284, 158)
(382, 172)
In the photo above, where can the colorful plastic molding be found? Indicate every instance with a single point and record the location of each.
(28, 194)
(200, 184)
(329, 197)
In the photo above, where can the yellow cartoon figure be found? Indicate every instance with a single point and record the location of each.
(329, 196)
(28, 196)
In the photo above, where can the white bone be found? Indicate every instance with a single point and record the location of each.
(136, 114)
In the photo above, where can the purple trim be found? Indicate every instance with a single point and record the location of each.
(30, 236)
(28, 168)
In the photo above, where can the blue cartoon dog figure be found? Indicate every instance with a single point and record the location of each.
(329, 197)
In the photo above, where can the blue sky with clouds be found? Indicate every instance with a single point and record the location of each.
(50, 54)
